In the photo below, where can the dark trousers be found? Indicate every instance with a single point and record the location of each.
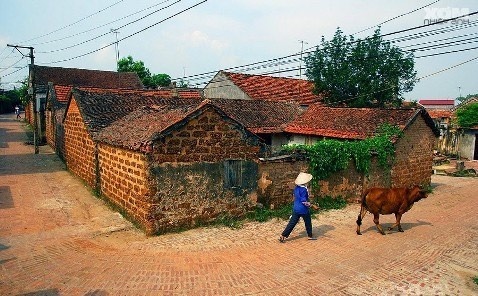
(293, 221)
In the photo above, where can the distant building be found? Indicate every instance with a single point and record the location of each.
(440, 104)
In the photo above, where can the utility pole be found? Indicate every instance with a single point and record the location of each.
(301, 51)
(32, 92)
(115, 31)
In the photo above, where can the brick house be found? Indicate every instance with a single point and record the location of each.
(413, 160)
(57, 98)
(52, 100)
(228, 85)
(167, 163)
(414, 150)
(172, 167)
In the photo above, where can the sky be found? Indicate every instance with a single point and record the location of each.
(193, 39)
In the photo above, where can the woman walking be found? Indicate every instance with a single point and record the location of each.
(300, 208)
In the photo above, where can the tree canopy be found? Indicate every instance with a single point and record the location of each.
(149, 80)
(360, 73)
(467, 116)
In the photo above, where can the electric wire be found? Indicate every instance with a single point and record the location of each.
(396, 17)
(104, 34)
(129, 36)
(104, 25)
(74, 23)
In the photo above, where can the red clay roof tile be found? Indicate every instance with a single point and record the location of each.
(348, 123)
(262, 87)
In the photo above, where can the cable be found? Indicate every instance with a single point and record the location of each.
(394, 18)
(12, 65)
(131, 35)
(308, 52)
(62, 28)
(104, 34)
(13, 72)
(445, 52)
(104, 25)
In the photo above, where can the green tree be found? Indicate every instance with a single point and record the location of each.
(360, 73)
(462, 99)
(467, 116)
(150, 81)
(10, 99)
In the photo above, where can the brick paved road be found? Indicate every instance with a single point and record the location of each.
(56, 238)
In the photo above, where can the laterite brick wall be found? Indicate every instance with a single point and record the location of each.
(414, 155)
(79, 147)
(189, 169)
(49, 129)
(413, 166)
(124, 180)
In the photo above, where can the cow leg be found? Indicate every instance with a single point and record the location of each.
(377, 224)
(397, 223)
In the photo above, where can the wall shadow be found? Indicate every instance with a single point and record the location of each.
(48, 292)
(97, 293)
(6, 200)
(18, 164)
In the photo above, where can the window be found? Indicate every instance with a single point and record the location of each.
(233, 170)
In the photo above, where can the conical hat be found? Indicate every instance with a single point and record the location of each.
(303, 178)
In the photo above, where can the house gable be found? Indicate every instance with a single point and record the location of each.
(230, 85)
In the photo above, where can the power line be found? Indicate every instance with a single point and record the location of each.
(131, 35)
(78, 21)
(398, 16)
(104, 25)
(104, 34)
(207, 74)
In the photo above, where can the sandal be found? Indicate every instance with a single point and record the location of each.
(282, 239)
(312, 238)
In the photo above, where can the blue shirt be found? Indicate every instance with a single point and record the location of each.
(300, 195)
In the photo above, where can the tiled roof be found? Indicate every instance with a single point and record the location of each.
(260, 116)
(140, 126)
(437, 102)
(352, 123)
(101, 107)
(439, 113)
(84, 77)
(147, 123)
(261, 87)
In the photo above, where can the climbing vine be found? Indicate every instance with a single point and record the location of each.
(329, 156)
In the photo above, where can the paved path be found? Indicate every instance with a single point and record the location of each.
(56, 238)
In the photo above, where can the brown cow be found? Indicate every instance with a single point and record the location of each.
(387, 201)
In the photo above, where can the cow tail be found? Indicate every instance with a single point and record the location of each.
(363, 205)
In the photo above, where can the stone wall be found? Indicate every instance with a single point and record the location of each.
(125, 181)
(208, 138)
(80, 150)
(412, 166)
(49, 129)
(414, 155)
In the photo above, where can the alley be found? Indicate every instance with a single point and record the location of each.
(57, 238)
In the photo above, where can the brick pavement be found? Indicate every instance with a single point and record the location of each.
(56, 238)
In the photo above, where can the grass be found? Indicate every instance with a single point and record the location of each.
(475, 280)
(331, 203)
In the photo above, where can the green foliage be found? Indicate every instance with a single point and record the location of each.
(360, 73)
(462, 99)
(329, 156)
(327, 203)
(229, 221)
(10, 99)
(475, 280)
(467, 115)
(264, 214)
(149, 80)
